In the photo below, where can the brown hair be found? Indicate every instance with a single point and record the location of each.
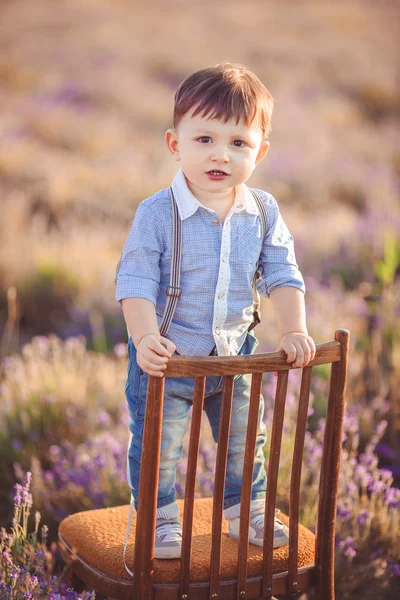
(225, 90)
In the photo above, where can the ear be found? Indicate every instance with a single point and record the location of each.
(171, 139)
(262, 151)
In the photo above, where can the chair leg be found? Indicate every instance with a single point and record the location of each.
(77, 583)
(66, 575)
(72, 580)
(325, 589)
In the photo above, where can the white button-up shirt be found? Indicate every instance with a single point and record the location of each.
(217, 269)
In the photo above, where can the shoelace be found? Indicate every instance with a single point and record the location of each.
(172, 531)
(258, 520)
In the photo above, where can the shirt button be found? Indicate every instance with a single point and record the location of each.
(224, 257)
(221, 295)
(218, 330)
(215, 222)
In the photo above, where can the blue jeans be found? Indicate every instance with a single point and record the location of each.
(178, 399)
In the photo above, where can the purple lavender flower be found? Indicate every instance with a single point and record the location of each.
(368, 459)
(16, 445)
(381, 428)
(350, 487)
(386, 474)
(54, 450)
(27, 481)
(350, 423)
(7, 558)
(349, 553)
(17, 497)
(100, 462)
(344, 512)
(392, 497)
(362, 476)
(347, 546)
(363, 517)
(26, 497)
(375, 487)
(104, 418)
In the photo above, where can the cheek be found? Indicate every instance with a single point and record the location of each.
(251, 160)
(248, 162)
(193, 150)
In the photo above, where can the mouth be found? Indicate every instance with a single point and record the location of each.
(216, 173)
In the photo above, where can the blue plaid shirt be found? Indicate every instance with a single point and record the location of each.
(218, 264)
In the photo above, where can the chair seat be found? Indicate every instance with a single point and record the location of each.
(96, 539)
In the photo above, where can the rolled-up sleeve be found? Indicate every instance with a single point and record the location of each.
(277, 255)
(138, 270)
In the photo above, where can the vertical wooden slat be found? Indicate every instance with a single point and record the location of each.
(148, 488)
(322, 483)
(219, 484)
(294, 502)
(325, 539)
(272, 478)
(197, 411)
(247, 480)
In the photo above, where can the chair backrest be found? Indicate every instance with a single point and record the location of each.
(335, 352)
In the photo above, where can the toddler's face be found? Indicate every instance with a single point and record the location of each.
(214, 155)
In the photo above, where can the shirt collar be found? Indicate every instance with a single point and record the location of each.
(187, 204)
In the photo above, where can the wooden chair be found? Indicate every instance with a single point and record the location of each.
(213, 566)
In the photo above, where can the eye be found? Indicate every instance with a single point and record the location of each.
(204, 139)
(239, 143)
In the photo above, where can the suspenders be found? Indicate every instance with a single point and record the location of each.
(174, 291)
(259, 271)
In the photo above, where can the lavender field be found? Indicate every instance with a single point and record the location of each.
(86, 93)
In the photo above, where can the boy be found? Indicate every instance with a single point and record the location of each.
(221, 121)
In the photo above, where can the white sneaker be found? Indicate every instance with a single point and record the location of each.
(256, 530)
(168, 540)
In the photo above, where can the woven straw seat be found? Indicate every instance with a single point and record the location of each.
(96, 538)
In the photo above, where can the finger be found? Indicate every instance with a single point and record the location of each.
(312, 347)
(299, 357)
(153, 358)
(306, 353)
(309, 350)
(170, 346)
(154, 373)
(161, 348)
(152, 369)
(156, 346)
(290, 350)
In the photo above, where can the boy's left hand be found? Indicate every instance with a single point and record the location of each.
(299, 348)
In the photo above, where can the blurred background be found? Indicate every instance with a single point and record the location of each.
(86, 94)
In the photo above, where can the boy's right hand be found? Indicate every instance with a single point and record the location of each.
(152, 353)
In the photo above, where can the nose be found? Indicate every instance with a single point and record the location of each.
(220, 154)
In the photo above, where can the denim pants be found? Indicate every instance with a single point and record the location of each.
(178, 399)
